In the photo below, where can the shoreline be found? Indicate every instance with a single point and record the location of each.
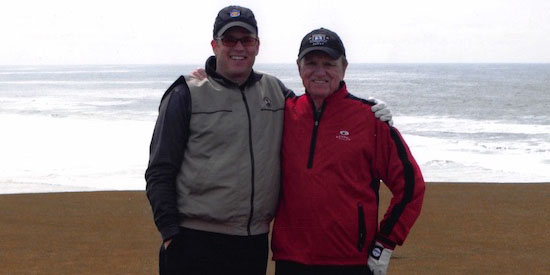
(79, 189)
(464, 228)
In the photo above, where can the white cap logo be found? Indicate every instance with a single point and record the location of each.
(318, 39)
(235, 13)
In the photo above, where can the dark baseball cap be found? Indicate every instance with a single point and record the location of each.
(322, 40)
(235, 16)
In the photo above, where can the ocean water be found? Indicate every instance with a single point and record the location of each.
(69, 128)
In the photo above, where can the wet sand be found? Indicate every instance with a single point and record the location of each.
(463, 229)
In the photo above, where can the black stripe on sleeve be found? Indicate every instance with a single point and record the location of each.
(398, 209)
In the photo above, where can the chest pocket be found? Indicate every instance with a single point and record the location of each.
(211, 124)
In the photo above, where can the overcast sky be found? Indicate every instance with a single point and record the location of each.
(35, 32)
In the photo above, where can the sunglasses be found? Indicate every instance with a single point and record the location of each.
(246, 41)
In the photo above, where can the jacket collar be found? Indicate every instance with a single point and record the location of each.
(210, 68)
(342, 92)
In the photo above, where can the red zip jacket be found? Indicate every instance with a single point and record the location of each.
(333, 162)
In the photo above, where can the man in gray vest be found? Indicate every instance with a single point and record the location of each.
(214, 170)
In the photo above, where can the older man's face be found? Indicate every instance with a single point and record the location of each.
(321, 74)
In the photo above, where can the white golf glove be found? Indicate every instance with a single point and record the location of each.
(381, 110)
(379, 259)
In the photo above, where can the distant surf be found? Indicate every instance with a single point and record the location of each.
(70, 128)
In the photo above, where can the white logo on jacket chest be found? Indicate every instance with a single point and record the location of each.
(343, 135)
(266, 102)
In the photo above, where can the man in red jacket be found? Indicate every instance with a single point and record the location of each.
(335, 153)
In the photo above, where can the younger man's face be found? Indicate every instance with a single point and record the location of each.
(235, 61)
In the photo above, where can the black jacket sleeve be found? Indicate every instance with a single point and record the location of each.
(288, 93)
(166, 155)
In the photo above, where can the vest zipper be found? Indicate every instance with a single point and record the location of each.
(316, 119)
(251, 163)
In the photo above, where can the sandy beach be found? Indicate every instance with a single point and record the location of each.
(463, 229)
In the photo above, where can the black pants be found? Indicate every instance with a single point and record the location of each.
(196, 252)
(293, 268)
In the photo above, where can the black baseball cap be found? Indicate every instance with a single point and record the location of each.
(235, 16)
(322, 40)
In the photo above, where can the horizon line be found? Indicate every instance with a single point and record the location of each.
(277, 63)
